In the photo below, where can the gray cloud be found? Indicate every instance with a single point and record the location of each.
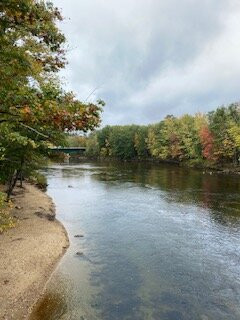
(151, 58)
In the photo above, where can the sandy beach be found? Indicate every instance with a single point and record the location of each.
(29, 252)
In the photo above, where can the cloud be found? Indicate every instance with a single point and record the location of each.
(153, 58)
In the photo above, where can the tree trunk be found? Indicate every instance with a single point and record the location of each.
(21, 172)
(12, 183)
(21, 179)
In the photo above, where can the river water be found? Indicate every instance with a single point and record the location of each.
(160, 242)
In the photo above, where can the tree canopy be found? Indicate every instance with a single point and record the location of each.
(35, 110)
(212, 138)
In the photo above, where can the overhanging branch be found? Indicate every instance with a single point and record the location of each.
(34, 130)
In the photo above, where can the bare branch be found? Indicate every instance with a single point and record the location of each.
(34, 130)
(92, 93)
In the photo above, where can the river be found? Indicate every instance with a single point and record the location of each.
(159, 243)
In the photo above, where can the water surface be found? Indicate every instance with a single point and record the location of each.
(160, 242)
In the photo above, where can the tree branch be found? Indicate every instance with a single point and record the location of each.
(9, 113)
(34, 130)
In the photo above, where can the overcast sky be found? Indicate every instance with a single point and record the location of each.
(150, 58)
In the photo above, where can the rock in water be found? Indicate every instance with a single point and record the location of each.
(79, 253)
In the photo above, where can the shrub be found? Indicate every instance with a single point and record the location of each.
(6, 221)
(39, 180)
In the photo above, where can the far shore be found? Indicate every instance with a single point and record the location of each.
(29, 252)
(206, 168)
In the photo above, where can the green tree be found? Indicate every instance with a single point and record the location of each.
(189, 138)
(34, 110)
(140, 142)
(121, 142)
(220, 122)
(103, 140)
(76, 140)
(92, 146)
(158, 142)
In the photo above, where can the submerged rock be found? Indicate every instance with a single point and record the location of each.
(78, 236)
(79, 253)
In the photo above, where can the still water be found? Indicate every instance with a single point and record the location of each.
(160, 243)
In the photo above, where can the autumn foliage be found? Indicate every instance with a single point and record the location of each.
(207, 140)
(35, 111)
(211, 139)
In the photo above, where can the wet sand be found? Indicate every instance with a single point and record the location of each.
(29, 252)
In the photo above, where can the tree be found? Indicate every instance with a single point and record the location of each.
(158, 142)
(92, 146)
(34, 110)
(103, 140)
(189, 138)
(140, 142)
(220, 122)
(121, 142)
(206, 138)
(75, 140)
(214, 137)
(164, 139)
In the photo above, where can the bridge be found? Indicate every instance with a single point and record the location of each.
(68, 150)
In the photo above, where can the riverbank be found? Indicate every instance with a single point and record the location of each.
(29, 252)
(205, 167)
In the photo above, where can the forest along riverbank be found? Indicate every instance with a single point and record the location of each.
(29, 252)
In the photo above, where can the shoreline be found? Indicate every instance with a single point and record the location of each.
(206, 168)
(29, 252)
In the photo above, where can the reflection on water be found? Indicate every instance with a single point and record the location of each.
(160, 242)
(52, 303)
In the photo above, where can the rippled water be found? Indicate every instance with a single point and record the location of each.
(160, 242)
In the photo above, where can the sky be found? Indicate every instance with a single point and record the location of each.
(150, 58)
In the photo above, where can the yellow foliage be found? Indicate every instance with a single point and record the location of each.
(234, 132)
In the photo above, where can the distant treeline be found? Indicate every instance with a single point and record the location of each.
(201, 138)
